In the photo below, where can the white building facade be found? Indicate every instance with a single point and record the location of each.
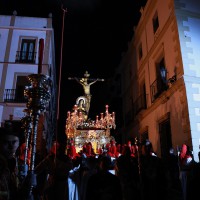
(19, 57)
(160, 76)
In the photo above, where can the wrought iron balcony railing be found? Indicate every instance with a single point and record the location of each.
(157, 88)
(14, 96)
(25, 57)
(140, 104)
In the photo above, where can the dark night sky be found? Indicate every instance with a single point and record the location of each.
(96, 33)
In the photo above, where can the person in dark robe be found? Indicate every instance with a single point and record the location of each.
(56, 165)
(153, 174)
(9, 181)
(103, 185)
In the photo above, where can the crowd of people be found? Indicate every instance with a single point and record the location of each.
(114, 172)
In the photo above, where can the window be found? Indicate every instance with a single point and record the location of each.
(155, 22)
(27, 51)
(140, 102)
(144, 98)
(140, 53)
(17, 94)
(160, 84)
(22, 81)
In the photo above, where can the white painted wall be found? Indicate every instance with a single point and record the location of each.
(189, 29)
(3, 42)
(30, 22)
(4, 20)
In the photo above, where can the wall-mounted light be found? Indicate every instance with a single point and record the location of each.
(163, 73)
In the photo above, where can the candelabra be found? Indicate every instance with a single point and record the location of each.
(27, 127)
(74, 119)
(38, 96)
(107, 121)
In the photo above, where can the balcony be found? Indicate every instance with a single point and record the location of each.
(140, 104)
(25, 57)
(157, 88)
(14, 96)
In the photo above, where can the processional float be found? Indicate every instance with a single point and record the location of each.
(80, 128)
